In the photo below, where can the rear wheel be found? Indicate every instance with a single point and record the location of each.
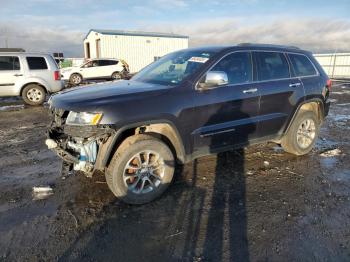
(302, 134)
(75, 79)
(141, 169)
(33, 94)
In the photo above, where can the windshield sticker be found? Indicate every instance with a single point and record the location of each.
(198, 59)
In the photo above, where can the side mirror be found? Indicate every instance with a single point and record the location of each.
(213, 79)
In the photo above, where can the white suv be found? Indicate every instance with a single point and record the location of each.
(94, 69)
(30, 75)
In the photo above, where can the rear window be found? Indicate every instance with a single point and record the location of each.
(272, 65)
(9, 63)
(302, 65)
(36, 63)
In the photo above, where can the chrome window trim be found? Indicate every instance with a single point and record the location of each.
(262, 81)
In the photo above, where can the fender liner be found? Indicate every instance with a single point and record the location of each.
(317, 100)
(107, 149)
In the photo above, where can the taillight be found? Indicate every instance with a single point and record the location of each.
(329, 84)
(57, 75)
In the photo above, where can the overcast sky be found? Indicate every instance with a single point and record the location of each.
(60, 25)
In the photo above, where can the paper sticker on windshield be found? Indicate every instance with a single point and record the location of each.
(198, 59)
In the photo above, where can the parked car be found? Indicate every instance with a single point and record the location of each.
(30, 75)
(186, 105)
(95, 69)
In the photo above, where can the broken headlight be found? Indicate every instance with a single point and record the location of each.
(83, 118)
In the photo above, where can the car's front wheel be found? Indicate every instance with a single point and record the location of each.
(116, 76)
(33, 94)
(141, 169)
(75, 79)
(302, 134)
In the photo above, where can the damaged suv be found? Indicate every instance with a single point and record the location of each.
(188, 104)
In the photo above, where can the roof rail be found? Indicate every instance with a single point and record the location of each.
(12, 50)
(268, 45)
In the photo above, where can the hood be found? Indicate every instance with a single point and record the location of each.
(94, 97)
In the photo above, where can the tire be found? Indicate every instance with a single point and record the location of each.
(132, 186)
(34, 94)
(293, 143)
(75, 79)
(116, 76)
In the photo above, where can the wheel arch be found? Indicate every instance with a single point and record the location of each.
(76, 73)
(313, 104)
(163, 130)
(33, 83)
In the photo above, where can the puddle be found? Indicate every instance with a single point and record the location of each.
(11, 107)
(344, 104)
(323, 144)
(328, 162)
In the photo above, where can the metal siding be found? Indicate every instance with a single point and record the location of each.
(135, 50)
(335, 65)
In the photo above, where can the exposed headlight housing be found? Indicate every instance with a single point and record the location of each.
(83, 118)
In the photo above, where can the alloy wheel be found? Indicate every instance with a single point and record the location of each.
(144, 172)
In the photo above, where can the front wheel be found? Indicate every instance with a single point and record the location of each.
(116, 76)
(141, 169)
(302, 134)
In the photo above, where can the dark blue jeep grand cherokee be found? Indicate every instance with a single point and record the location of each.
(189, 104)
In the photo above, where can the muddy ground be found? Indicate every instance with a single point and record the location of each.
(227, 207)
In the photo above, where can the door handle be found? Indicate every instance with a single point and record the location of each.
(250, 91)
(294, 84)
(18, 75)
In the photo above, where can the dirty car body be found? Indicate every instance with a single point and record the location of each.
(208, 100)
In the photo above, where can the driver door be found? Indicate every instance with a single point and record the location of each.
(90, 69)
(227, 115)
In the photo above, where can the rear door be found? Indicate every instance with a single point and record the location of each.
(226, 115)
(279, 92)
(10, 73)
(304, 69)
(38, 67)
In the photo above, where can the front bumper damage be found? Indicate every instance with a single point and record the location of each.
(78, 146)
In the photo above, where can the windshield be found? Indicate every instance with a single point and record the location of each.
(173, 68)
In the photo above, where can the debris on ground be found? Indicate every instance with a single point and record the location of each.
(266, 163)
(42, 192)
(331, 153)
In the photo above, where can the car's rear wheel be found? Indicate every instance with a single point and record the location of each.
(33, 94)
(141, 169)
(75, 79)
(302, 134)
(116, 76)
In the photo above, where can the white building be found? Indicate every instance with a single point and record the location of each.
(138, 49)
(336, 65)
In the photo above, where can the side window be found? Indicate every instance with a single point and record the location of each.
(272, 65)
(302, 65)
(36, 63)
(237, 66)
(103, 63)
(95, 63)
(107, 62)
(9, 63)
(113, 62)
